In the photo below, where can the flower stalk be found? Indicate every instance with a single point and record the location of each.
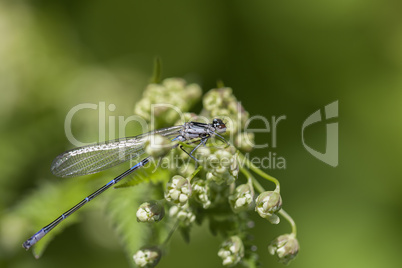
(251, 166)
(292, 223)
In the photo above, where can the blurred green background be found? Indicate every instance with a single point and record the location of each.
(280, 57)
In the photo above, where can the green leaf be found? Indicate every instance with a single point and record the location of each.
(121, 212)
(46, 204)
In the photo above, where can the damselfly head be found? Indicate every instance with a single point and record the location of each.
(219, 125)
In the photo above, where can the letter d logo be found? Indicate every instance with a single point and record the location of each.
(331, 153)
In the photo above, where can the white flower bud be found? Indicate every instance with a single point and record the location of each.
(285, 247)
(221, 167)
(242, 198)
(178, 190)
(147, 257)
(152, 211)
(201, 192)
(268, 203)
(193, 92)
(184, 214)
(231, 251)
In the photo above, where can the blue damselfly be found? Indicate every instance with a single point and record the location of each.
(101, 156)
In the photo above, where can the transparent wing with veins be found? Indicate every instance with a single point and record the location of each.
(101, 156)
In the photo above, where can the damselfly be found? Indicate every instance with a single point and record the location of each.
(98, 157)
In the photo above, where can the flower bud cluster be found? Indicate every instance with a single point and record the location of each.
(231, 251)
(222, 167)
(242, 199)
(223, 104)
(213, 186)
(171, 92)
(201, 193)
(184, 214)
(178, 190)
(190, 117)
(244, 141)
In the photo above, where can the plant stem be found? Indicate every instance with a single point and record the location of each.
(289, 219)
(250, 177)
(251, 166)
(185, 144)
(156, 76)
(195, 173)
(250, 180)
(164, 244)
(220, 84)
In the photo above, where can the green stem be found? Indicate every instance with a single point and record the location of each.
(251, 166)
(250, 179)
(184, 144)
(195, 173)
(220, 84)
(289, 219)
(188, 145)
(193, 144)
(258, 186)
(164, 244)
(156, 76)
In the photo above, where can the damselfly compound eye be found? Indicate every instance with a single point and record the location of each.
(219, 125)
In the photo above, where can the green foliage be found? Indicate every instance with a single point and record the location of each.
(120, 211)
(45, 204)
